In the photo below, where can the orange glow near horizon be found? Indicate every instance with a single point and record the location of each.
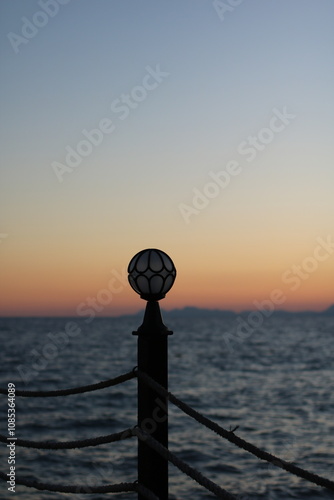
(45, 273)
(38, 289)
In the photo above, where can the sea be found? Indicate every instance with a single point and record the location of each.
(273, 384)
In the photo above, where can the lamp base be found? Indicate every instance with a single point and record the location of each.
(152, 322)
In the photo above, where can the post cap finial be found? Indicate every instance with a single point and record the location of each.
(151, 274)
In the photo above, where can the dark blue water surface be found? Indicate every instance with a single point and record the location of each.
(276, 384)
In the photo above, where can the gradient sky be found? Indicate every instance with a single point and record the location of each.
(225, 78)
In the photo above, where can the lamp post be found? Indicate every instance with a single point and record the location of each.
(151, 275)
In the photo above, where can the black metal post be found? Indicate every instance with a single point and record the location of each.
(152, 408)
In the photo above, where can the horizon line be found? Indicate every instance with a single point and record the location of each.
(242, 311)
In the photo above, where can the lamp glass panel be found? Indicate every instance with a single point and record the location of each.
(142, 262)
(156, 263)
(156, 284)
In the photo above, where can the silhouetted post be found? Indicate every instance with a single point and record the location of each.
(152, 274)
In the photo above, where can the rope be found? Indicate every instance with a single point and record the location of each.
(230, 436)
(76, 390)
(108, 488)
(190, 471)
(65, 445)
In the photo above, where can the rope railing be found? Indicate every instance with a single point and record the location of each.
(51, 445)
(241, 443)
(76, 390)
(74, 488)
(184, 467)
(153, 443)
(68, 445)
(80, 489)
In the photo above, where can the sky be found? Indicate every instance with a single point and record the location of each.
(201, 128)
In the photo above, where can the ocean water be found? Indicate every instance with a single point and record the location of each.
(276, 384)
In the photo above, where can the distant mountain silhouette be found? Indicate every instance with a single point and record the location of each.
(203, 312)
(198, 312)
(329, 311)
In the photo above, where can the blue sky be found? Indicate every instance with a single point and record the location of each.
(223, 79)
